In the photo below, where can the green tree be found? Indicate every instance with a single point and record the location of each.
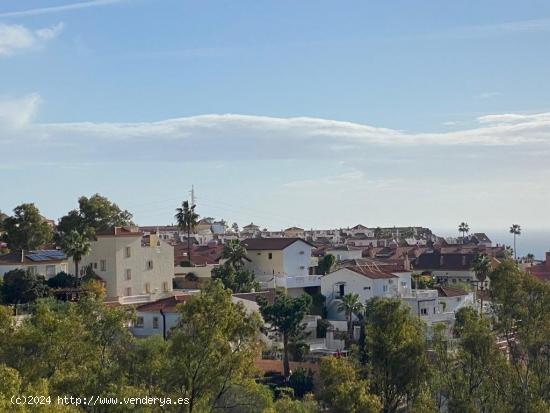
(61, 280)
(20, 287)
(287, 405)
(326, 263)
(481, 267)
(187, 221)
(285, 316)
(76, 246)
(235, 254)
(521, 304)
(94, 214)
(515, 230)
(2, 218)
(395, 346)
(350, 305)
(463, 228)
(237, 280)
(342, 390)
(26, 229)
(213, 349)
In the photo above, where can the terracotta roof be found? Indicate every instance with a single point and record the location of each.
(444, 291)
(371, 272)
(168, 305)
(254, 244)
(120, 232)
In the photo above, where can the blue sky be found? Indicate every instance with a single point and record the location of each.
(310, 113)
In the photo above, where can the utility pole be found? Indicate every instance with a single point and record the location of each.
(193, 198)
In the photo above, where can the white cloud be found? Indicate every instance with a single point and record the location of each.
(17, 112)
(233, 136)
(336, 180)
(14, 38)
(62, 8)
(488, 95)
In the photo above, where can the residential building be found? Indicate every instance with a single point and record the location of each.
(41, 262)
(133, 270)
(345, 252)
(281, 262)
(541, 270)
(294, 232)
(366, 281)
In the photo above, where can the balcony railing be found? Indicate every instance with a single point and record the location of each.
(299, 281)
(135, 299)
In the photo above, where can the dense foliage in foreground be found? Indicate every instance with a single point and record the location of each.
(495, 363)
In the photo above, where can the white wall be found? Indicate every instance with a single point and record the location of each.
(296, 259)
(172, 319)
(113, 251)
(48, 270)
(346, 255)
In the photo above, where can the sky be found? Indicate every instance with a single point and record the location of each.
(314, 113)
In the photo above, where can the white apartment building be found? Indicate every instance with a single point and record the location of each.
(135, 269)
(281, 262)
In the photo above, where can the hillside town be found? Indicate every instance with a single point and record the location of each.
(331, 277)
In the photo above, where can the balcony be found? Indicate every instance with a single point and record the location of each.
(299, 281)
(135, 299)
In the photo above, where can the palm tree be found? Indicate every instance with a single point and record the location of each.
(481, 266)
(516, 230)
(350, 305)
(234, 253)
(187, 221)
(77, 246)
(464, 228)
(530, 258)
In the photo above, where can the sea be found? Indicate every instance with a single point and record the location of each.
(536, 242)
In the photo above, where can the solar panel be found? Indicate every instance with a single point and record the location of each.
(45, 255)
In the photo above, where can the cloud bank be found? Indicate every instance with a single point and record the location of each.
(235, 136)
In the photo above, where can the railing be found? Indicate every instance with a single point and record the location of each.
(298, 281)
(135, 299)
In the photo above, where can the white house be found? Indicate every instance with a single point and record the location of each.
(359, 229)
(281, 262)
(42, 262)
(366, 281)
(160, 316)
(345, 252)
(135, 269)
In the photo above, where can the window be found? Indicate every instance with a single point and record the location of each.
(32, 270)
(95, 265)
(403, 283)
(129, 291)
(390, 281)
(341, 290)
(385, 288)
(165, 286)
(128, 252)
(259, 253)
(302, 267)
(148, 288)
(155, 322)
(270, 255)
(150, 264)
(128, 274)
(424, 311)
(50, 270)
(457, 299)
(139, 322)
(103, 265)
(302, 252)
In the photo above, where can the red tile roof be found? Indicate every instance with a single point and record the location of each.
(168, 305)
(371, 272)
(444, 291)
(254, 244)
(120, 232)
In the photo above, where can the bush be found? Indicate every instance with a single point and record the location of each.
(301, 381)
(191, 277)
(62, 280)
(298, 350)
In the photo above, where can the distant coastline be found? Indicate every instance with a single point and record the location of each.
(536, 242)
